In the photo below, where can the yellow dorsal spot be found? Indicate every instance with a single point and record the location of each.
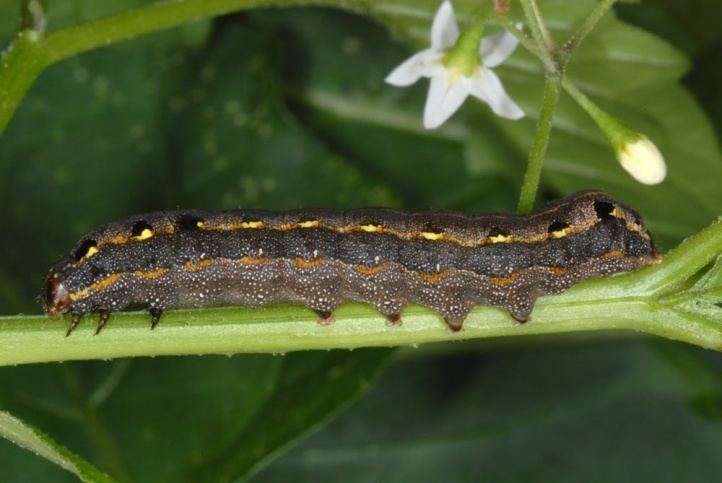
(370, 228)
(560, 233)
(617, 212)
(252, 224)
(144, 235)
(200, 224)
(499, 238)
(92, 250)
(430, 235)
(308, 224)
(639, 230)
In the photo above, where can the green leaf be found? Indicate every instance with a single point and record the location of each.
(32, 439)
(701, 375)
(151, 419)
(591, 411)
(691, 26)
(311, 391)
(235, 143)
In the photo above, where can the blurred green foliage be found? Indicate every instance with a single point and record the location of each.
(287, 109)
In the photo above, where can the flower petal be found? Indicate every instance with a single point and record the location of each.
(487, 87)
(422, 64)
(444, 30)
(446, 95)
(496, 48)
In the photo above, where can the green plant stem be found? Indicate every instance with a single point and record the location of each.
(541, 141)
(592, 109)
(633, 301)
(587, 26)
(544, 49)
(616, 133)
(152, 18)
(537, 29)
(32, 15)
(543, 30)
(20, 65)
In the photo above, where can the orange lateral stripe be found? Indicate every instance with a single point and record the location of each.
(504, 281)
(558, 271)
(193, 266)
(613, 254)
(434, 277)
(365, 270)
(106, 282)
(253, 261)
(301, 263)
(151, 274)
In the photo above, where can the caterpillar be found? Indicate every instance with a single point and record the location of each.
(321, 258)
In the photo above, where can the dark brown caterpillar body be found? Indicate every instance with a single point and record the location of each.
(321, 258)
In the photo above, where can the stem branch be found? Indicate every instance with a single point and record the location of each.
(532, 175)
(543, 30)
(587, 26)
(539, 33)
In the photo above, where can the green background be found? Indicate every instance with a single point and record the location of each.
(284, 109)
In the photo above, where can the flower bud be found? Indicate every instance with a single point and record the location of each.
(641, 158)
(635, 152)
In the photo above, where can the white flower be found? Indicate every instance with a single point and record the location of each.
(452, 82)
(642, 159)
